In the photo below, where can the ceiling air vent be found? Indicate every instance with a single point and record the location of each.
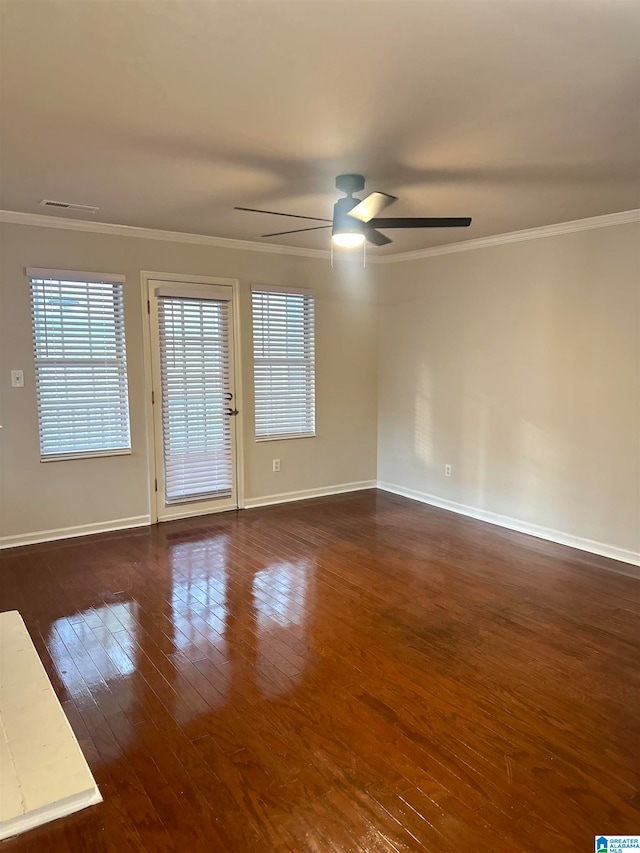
(66, 205)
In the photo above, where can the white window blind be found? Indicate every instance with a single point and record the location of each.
(80, 362)
(194, 367)
(283, 363)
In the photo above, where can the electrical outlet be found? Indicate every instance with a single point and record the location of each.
(447, 470)
(17, 379)
(276, 465)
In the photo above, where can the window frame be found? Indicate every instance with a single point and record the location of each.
(38, 277)
(310, 338)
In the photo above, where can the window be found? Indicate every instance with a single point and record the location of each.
(283, 362)
(81, 372)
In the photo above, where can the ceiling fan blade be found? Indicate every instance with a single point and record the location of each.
(423, 222)
(275, 213)
(371, 206)
(376, 237)
(297, 231)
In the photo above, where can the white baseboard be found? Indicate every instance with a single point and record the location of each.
(40, 536)
(71, 532)
(629, 557)
(287, 497)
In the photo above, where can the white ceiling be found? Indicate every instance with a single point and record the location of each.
(166, 114)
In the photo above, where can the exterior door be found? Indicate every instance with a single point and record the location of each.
(193, 398)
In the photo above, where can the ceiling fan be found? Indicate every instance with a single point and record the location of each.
(356, 220)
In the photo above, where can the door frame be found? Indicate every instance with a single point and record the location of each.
(180, 278)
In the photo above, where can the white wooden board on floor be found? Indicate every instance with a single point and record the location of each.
(43, 773)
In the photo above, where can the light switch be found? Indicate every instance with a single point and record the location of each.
(17, 379)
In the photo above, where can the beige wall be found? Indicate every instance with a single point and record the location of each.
(520, 366)
(40, 497)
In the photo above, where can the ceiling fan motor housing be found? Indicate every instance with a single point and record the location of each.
(342, 222)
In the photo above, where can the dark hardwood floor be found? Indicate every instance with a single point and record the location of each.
(357, 673)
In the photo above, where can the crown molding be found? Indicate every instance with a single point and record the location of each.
(15, 217)
(575, 225)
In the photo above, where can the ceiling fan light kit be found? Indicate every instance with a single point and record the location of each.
(356, 221)
(348, 239)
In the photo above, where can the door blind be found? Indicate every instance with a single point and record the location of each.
(283, 363)
(81, 371)
(194, 367)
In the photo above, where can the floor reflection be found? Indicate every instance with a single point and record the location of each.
(240, 623)
(95, 657)
(199, 572)
(95, 647)
(199, 596)
(280, 594)
(214, 630)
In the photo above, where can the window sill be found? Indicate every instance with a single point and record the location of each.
(284, 437)
(92, 454)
